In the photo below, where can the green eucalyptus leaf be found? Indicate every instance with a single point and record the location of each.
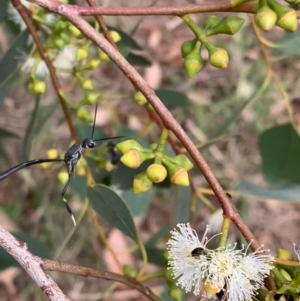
(289, 45)
(172, 97)
(111, 207)
(289, 193)
(138, 204)
(137, 60)
(280, 148)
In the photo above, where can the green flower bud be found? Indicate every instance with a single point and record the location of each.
(65, 37)
(211, 21)
(156, 173)
(82, 52)
(218, 57)
(84, 115)
(265, 18)
(177, 174)
(175, 293)
(169, 276)
(141, 183)
(134, 158)
(129, 270)
(74, 30)
(36, 86)
(149, 107)
(286, 16)
(285, 274)
(288, 21)
(59, 43)
(296, 283)
(284, 254)
(180, 160)
(193, 62)
(87, 84)
(60, 26)
(92, 97)
(92, 64)
(126, 145)
(39, 87)
(187, 47)
(228, 25)
(139, 98)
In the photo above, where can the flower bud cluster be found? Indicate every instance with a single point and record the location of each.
(218, 57)
(175, 167)
(272, 13)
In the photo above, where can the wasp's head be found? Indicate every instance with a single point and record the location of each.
(88, 143)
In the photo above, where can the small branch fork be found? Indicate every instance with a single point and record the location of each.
(36, 266)
(32, 264)
(73, 14)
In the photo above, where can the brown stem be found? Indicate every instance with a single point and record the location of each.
(179, 10)
(169, 122)
(168, 10)
(102, 25)
(20, 8)
(51, 265)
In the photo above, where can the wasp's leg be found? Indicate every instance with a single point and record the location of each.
(66, 202)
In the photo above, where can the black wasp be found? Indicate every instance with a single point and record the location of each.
(72, 156)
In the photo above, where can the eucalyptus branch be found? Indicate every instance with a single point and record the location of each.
(51, 265)
(32, 264)
(170, 123)
(179, 10)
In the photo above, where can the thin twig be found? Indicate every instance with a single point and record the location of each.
(32, 264)
(270, 70)
(51, 265)
(103, 26)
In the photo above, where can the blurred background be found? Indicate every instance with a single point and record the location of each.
(241, 127)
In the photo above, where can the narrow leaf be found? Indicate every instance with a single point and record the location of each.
(289, 193)
(172, 98)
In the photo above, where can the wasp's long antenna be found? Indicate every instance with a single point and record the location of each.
(20, 166)
(95, 115)
(109, 138)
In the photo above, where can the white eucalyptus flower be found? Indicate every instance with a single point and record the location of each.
(228, 272)
(187, 257)
(41, 70)
(66, 59)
